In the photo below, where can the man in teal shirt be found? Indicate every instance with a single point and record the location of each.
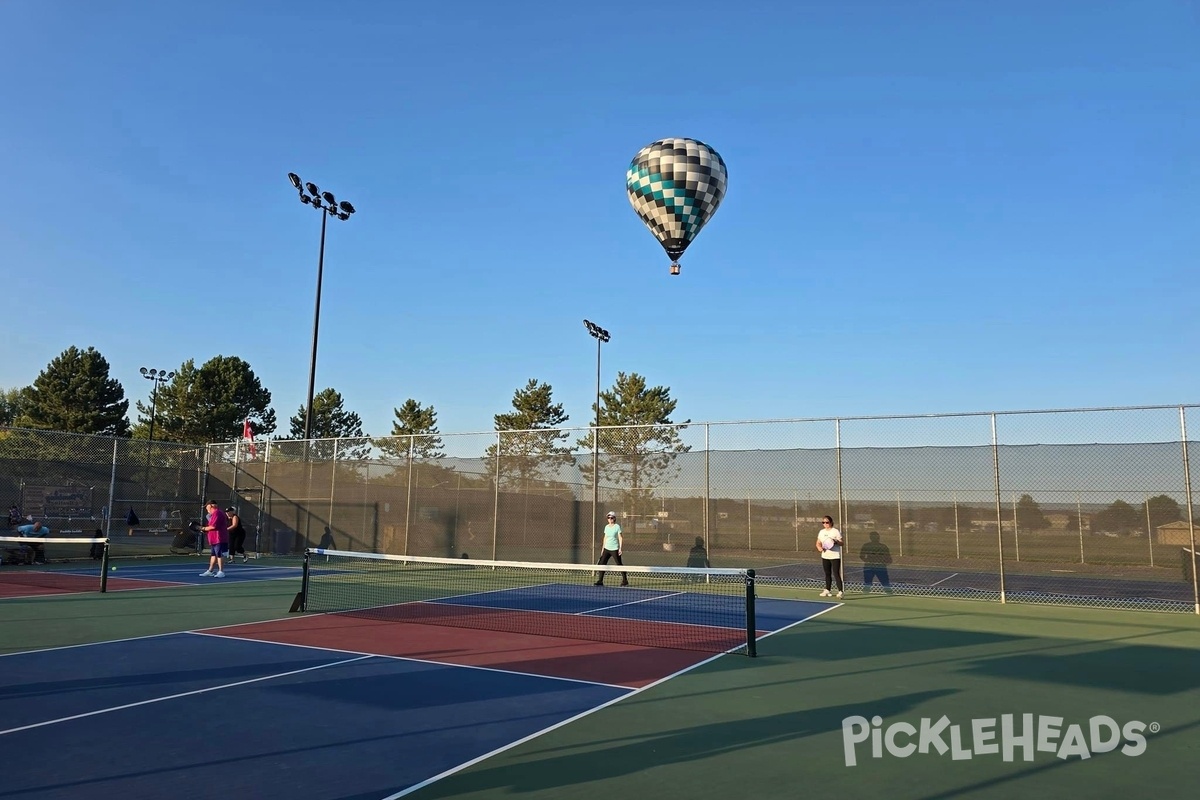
(38, 530)
(613, 545)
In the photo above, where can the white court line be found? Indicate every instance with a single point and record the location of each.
(146, 636)
(799, 621)
(416, 660)
(541, 611)
(631, 603)
(532, 736)
(943, 580)
(177, 696)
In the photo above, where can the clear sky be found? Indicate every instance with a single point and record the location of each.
(933, 205)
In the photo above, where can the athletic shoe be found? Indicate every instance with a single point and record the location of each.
(825, 593)
(219, 575)
(624, 583)
(208, 573)
(598, 583)
(244, 558)
(839, 595)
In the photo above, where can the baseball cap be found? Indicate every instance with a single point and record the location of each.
(612, 514)
(230, 509)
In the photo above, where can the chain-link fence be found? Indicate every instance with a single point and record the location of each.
(1085, 507)
(140, 494)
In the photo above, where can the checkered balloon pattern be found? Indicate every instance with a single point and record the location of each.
(675, 186)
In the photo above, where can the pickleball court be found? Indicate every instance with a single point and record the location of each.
(369, 702)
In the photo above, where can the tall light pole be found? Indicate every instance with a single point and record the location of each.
(601, 336)
(159, 376)
(328, 205)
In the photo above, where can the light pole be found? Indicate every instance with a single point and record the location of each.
(159, 376)
(313, 196)
(601, 336)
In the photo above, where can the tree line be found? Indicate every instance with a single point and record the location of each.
(210, 403)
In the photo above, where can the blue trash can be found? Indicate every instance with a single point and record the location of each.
(285, 541)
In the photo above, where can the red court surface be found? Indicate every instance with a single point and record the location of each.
(14, 584)
(599, 662)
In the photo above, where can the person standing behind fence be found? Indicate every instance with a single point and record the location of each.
(829, 545)
(237, 535)
(614, 544)
(218, 540)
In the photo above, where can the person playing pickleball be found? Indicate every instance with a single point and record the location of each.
(613, 545)
(829, 545)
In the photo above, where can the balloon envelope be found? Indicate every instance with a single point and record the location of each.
(675, 186)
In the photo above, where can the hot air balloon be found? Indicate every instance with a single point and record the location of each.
(675, 186)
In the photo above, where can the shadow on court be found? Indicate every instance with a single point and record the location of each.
(624, 755)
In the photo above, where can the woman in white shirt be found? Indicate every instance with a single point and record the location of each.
(829, 545)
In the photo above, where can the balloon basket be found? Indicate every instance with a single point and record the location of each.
(674, 269)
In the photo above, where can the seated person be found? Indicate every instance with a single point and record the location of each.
(35, 530)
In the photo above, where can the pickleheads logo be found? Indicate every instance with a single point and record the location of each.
(1007, 737)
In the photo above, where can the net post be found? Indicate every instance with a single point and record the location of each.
(301, 601)
(104, 568)
(751, 625)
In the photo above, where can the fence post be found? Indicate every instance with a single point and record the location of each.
(999, 505)
(1149, 529)
(1187, 487)
(957, 545)
(332, 483)
(1079, 523)
(841, 500)
(496, 498)
(408, 496)
(112, 491)
(707, 491)
(1016, 534)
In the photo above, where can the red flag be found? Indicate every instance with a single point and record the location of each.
(248, 435)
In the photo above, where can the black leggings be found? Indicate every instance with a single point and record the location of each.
(237, 541)
(833, 569)
(613, 554)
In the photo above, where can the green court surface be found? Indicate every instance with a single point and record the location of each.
(772, 727)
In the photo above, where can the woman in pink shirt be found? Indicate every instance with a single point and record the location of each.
(218, 540)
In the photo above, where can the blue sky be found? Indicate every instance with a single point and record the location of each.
(933, 206)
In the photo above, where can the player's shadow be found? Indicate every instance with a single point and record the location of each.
(626, 755)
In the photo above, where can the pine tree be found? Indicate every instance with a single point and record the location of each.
(533, 450)
(75, 394)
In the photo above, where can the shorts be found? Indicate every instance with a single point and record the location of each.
(220, 550)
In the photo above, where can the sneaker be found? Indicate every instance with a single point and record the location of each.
(598, 583)
(208, 573)
(244, 558)
(839, 594)
(219, 575)
(624, 583)
(825, 593)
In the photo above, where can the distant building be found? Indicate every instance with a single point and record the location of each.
(1178, 532)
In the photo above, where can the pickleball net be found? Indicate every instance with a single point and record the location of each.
(36, 561)
(710, 610)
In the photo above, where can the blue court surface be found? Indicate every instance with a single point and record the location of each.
(188, 573)
(196, 715)
(319, 705)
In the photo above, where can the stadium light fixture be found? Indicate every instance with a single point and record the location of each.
(331, 208)
(601, 336)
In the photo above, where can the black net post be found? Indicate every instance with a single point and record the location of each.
(751, 626)
(104, 568)
(304, 581)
